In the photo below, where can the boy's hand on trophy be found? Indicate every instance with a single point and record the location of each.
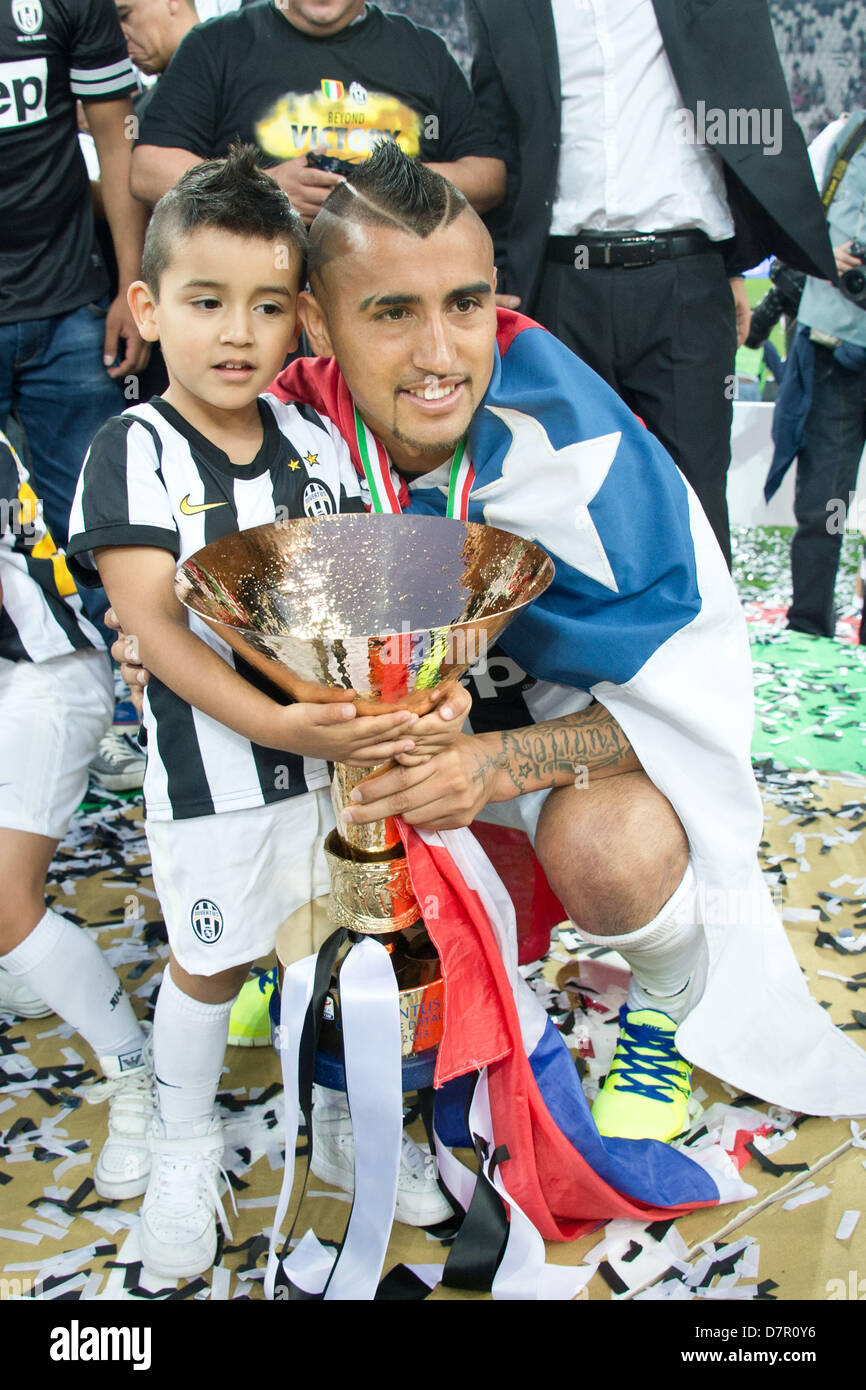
(439, 728)
(337, 732)
(125, 653)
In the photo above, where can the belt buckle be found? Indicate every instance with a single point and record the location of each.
(638, 251)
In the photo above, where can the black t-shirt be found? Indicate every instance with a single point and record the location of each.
(51, 53)
(252, 74)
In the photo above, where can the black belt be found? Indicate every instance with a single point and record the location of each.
(627, 249)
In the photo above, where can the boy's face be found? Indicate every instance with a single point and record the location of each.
(226, 319)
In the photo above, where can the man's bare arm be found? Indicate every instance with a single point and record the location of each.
(451, 789)
(480, 180)
(156, 169)
(127, 220)
(554, 753)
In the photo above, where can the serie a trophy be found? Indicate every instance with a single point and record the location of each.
(390, 607)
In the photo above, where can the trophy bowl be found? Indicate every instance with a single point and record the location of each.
(388, 606)
(391, 608)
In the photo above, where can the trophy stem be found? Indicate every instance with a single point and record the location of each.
(371, 895)
(378, 840)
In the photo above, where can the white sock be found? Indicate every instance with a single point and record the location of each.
(189, 1045)
(665, 955)
(66, 968)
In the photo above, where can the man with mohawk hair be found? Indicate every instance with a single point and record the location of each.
(633, 667)
(614, 721)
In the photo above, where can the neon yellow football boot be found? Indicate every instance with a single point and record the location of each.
(250, 1020)
(647, 1090)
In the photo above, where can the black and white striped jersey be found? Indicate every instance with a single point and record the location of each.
(150, 479)
(41, 616)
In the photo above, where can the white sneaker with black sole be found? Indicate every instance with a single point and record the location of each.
(182, 1203)
(123, 1167)
(119, 763)
(419, 1199)
(16, 998)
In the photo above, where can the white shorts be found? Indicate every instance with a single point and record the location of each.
(226, 883)
(52, 717)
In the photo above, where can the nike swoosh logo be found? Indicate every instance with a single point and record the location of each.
(192, 508)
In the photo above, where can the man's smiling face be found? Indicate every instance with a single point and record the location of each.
(412, 322)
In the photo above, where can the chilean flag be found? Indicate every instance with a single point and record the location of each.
(642, 616)
(558, 1170)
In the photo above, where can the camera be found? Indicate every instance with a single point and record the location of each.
(783, 298)
(852, 283)
(329, 162)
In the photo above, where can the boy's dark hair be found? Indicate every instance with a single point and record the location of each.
(231, 194)
(387, 190)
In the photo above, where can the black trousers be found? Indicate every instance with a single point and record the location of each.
(826, 476)
(664, 337)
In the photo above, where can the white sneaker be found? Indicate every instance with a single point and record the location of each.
(123, 1167)
(16, 998)
(182, 1203)
(419, 1200)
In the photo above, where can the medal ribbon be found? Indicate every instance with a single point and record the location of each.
(377, 471)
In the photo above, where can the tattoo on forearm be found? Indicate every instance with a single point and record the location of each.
(591, 740)
(486, 766)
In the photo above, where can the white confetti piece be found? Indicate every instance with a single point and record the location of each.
(847, 1224)
(46, 1228)
(91, 1288)
(670, 1289)
(73, 1161)
(803, 1198)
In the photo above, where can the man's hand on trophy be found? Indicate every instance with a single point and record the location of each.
(439, 728)
(443, 793)
(337, 732)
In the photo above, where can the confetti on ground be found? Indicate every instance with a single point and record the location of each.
(847, 1224)
(57, 1230)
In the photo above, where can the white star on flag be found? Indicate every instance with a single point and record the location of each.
(544, 493)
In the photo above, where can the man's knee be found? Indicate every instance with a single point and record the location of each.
(613, 852)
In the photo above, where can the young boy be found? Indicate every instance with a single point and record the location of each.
(235, 788)
(56, 701)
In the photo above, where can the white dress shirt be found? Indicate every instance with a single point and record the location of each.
(623, 163)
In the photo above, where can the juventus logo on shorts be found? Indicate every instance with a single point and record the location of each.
(318, 500)
(207, 921)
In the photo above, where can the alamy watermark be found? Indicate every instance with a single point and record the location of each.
(77, 1343)
(846, 516)
(738, 125)
(17, 1288)
(852, 1288)
(17, 517)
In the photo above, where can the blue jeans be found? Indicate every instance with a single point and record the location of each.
(52, 379)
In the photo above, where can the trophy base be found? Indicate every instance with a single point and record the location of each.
(421, 993)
